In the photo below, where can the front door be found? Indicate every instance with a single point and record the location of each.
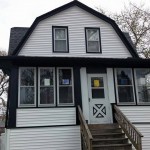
(100, 108)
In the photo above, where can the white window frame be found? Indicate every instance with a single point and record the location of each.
(27, 105)
(86, 32)
(136, 85)
(66, 39)
(46, 105)
(116, 87)
(65, 104)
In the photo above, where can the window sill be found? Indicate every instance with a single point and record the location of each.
(126, 104)
(94, 52)
(60, 52)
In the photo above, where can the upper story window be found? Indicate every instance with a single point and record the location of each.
(93, 40)
(60, 39)
(27, 86)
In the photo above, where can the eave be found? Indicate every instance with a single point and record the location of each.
(7, 62)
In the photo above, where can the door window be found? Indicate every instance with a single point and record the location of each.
(97, 87)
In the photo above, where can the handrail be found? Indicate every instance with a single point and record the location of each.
(85, 132)
(129, 129)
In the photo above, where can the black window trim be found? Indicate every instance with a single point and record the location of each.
(53, 40)
(100, 47)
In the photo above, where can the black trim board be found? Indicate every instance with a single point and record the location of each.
(42, 126)
(77, 91)
(72, 61)
(93, 70)
(86, 8)
(13, 97)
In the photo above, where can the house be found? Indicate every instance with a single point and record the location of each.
(75, 74)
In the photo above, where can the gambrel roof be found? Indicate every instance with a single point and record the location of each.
(86, 8)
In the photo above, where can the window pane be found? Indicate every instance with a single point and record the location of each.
(124, 77)
(46, 95)
(27, 95)
(97, 82)
(143, 83)
(60, 45)
(92, 34)
(98, 93)
(46, 77)
(65, 95)
(27, 76)
(60, 33)
(65, 77)
(125, 94)
(93, 46)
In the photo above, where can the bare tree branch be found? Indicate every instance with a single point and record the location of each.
(4, 79)
(134, 19)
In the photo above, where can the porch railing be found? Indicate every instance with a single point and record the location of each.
(129, 129)
(85, 132)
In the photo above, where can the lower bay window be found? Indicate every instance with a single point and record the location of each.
(142, 77)
(124, 85)
(27, 84)
(65, 86)
(46, 87)
(126, 79)
(46, 91)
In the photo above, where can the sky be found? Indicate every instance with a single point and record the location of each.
(22, 13)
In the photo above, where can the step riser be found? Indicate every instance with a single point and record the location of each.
(104, 126)
(114, 148)
(107, 131)
(109, 136)
(110, 142)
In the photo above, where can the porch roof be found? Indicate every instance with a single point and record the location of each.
(6, 62)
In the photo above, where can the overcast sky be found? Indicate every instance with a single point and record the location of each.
(21, 13)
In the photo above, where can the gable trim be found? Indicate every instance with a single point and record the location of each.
(86, 8)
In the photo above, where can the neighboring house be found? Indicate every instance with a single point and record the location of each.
(74, 56)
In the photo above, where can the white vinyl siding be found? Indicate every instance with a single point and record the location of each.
(46, 117)
(145, 130)
(40, 41)
(136, 113)
(48, 138)
(140, 117)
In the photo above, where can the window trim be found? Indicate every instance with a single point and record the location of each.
(136, 85)
(54, 86)
(53, 38)
(116, 88)
(86, 41)
(27, 105)
(65, 104)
